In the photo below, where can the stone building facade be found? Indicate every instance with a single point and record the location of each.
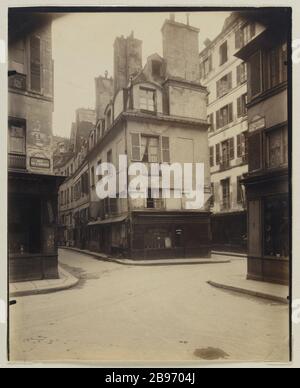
(225, 76)
(157, 114)
(32, 186)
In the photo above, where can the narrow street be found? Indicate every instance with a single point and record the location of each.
(154, 313)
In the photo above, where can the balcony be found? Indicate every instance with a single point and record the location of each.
(16, 161)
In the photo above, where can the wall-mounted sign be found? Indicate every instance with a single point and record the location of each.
(40, 163)
(257, 123)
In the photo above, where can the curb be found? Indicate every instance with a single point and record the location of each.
(101, 257)
(232, 254)
(244, 291)
(71, 282)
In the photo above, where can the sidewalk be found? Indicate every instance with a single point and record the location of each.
(149, 262)
(65, 281)
(237, 282)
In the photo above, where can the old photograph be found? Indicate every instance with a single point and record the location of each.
(149, 185)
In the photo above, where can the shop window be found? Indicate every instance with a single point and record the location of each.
(276, 228)
(158, 238)
(277, 147)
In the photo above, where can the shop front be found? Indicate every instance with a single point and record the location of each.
(32, 226)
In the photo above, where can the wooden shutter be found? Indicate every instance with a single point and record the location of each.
(166, 149)
(212, 156)
(218, 154)
(239, 146)
(210, 63)
(252, 30)
(35, 63)
(211, 120)
(239, 107)
(255, 151)
(255, 73)
(238, 75)
(230, 113)
(218, 88)
(218, 119)
(136, 147)
(238, 39)
(229, 81)
(231, 148)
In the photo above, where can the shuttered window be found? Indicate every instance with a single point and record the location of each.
(212, 156)
(224, 116)
(255, 74)
(218, 154)
(224, 85)
(35, 63)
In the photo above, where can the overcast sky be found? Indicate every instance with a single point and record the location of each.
(83, 50)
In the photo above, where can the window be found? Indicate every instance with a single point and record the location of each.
(206, 67)
(149, 149)
(277, 147)
(255, 74)
(224, 116)
(17, 138)
(276, 226)
(165, 149)
(223, 53)
(154, 203)
(35, 63)
(242, 105)
(136, 147)
(224, 85)
(241, 73)
(242, 146)
(226, 193)
(147, 99)
(275, 66)
(210, 120)
(212, 156)
(17, 57)
(227, 152)
(156, 69)
(240, 191)
(244, 35)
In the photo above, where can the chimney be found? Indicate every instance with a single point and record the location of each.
(127, 60)
(181, 50)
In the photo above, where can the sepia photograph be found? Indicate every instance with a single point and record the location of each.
(149, 157)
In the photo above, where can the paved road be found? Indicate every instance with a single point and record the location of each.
(147, 313)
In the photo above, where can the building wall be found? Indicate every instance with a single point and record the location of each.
(180, 50)
(33, 103)
(239, 125)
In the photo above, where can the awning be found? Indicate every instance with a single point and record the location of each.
(108, 221)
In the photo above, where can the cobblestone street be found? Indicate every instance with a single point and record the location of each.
(158, 313)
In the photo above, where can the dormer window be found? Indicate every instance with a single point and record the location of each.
(148, 99)
(156, 69)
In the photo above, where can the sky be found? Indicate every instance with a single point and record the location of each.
(83, 50)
